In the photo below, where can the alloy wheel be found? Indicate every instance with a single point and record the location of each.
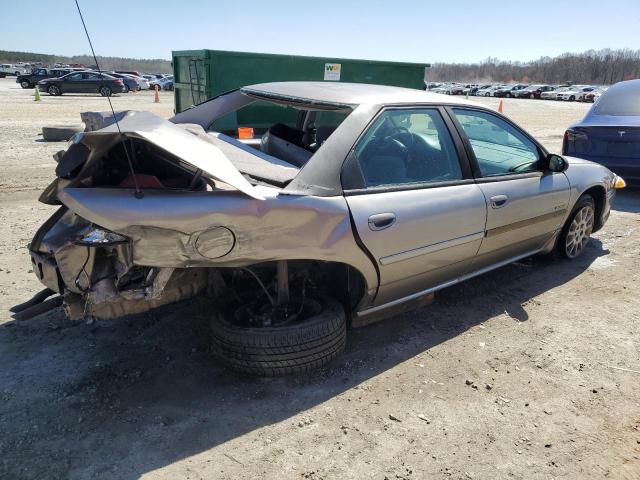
(579, 231)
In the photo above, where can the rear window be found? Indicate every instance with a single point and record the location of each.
(620, 100)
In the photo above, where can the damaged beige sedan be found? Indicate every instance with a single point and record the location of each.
(356, 201)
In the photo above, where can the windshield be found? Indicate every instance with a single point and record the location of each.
(621, 100)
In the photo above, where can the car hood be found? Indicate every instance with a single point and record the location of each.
(176, 140)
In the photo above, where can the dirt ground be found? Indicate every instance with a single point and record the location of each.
(529, 372)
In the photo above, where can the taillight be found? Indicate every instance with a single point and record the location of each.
(574, 136)
(575, 141)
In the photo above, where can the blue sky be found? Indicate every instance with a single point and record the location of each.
(417, 31)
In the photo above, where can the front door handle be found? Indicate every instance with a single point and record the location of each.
(499, 201)
(380, 221)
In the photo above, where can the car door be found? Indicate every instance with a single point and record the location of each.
(91, 82)
(526, 202)
(414, 203)
(72, 83)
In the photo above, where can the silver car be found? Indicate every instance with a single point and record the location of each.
(353, 202)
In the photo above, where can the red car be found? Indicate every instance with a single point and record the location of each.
(532, 91)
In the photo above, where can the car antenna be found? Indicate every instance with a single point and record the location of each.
(138, 192)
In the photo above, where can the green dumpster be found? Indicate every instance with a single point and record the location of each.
(203, 74)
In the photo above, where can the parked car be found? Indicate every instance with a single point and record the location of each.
(143, 83)
(532, 91)
(509, 90)
(130, 72)
(376, 197)
(572, 94)
(449, 89)
(473, 91)
(488, 92)
(130, 83)
(161, 83)
(83, 82)
(609, 134)
(9, 69)
(553, 94)
(30, 80)
(168, 85)
(590, 95)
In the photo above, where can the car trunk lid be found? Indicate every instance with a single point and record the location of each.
(189, 148)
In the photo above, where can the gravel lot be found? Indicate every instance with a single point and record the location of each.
(529, 372)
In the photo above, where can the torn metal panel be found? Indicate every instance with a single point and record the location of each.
(177, 141)
(165, 226)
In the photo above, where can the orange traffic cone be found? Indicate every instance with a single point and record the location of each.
(157, 97)
(500, 106)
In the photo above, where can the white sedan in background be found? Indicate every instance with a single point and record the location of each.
(574, 92)
(488, 92)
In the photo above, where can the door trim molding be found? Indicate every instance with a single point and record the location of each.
(416, 252)
(414, 296)
(525, 223)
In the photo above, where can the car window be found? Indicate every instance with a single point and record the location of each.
(92, 76)
(620, 100)
(76, 76)
(500, 148)
(407, 146)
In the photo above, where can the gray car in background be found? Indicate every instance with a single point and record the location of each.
(357, 201)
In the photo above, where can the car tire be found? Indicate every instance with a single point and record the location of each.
(54, 90)
(507, 95)
(58, 133)
(18, 74)
(25, 84)
(125, 89)
(572, 98)
(576, 232)
(282, 350)
(105, 91)
(532, 96)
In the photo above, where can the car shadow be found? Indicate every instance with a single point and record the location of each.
(627, 200)
(110, 394)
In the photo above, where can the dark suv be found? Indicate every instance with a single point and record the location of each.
(83, 82)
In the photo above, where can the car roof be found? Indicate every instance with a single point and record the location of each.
(344, 95)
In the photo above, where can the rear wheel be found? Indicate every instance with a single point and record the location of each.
(105, 91)
(576, 233)
(125, 89)
(260, 339)
(25, 84)
(54, 90)
(572, 98)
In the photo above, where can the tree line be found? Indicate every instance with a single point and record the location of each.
(106, 63)
(601, 67)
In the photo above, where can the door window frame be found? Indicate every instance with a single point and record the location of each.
(473, 161)
(352, 180)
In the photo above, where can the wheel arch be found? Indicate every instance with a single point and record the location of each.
(599, 195)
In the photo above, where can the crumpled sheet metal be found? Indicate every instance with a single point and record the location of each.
(164, 226)
(175, 140)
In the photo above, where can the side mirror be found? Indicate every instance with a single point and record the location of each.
(556, 163)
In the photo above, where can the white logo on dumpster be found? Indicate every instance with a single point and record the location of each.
(332, 71)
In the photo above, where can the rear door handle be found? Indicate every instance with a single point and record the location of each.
(499, 201)
(380, 221)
